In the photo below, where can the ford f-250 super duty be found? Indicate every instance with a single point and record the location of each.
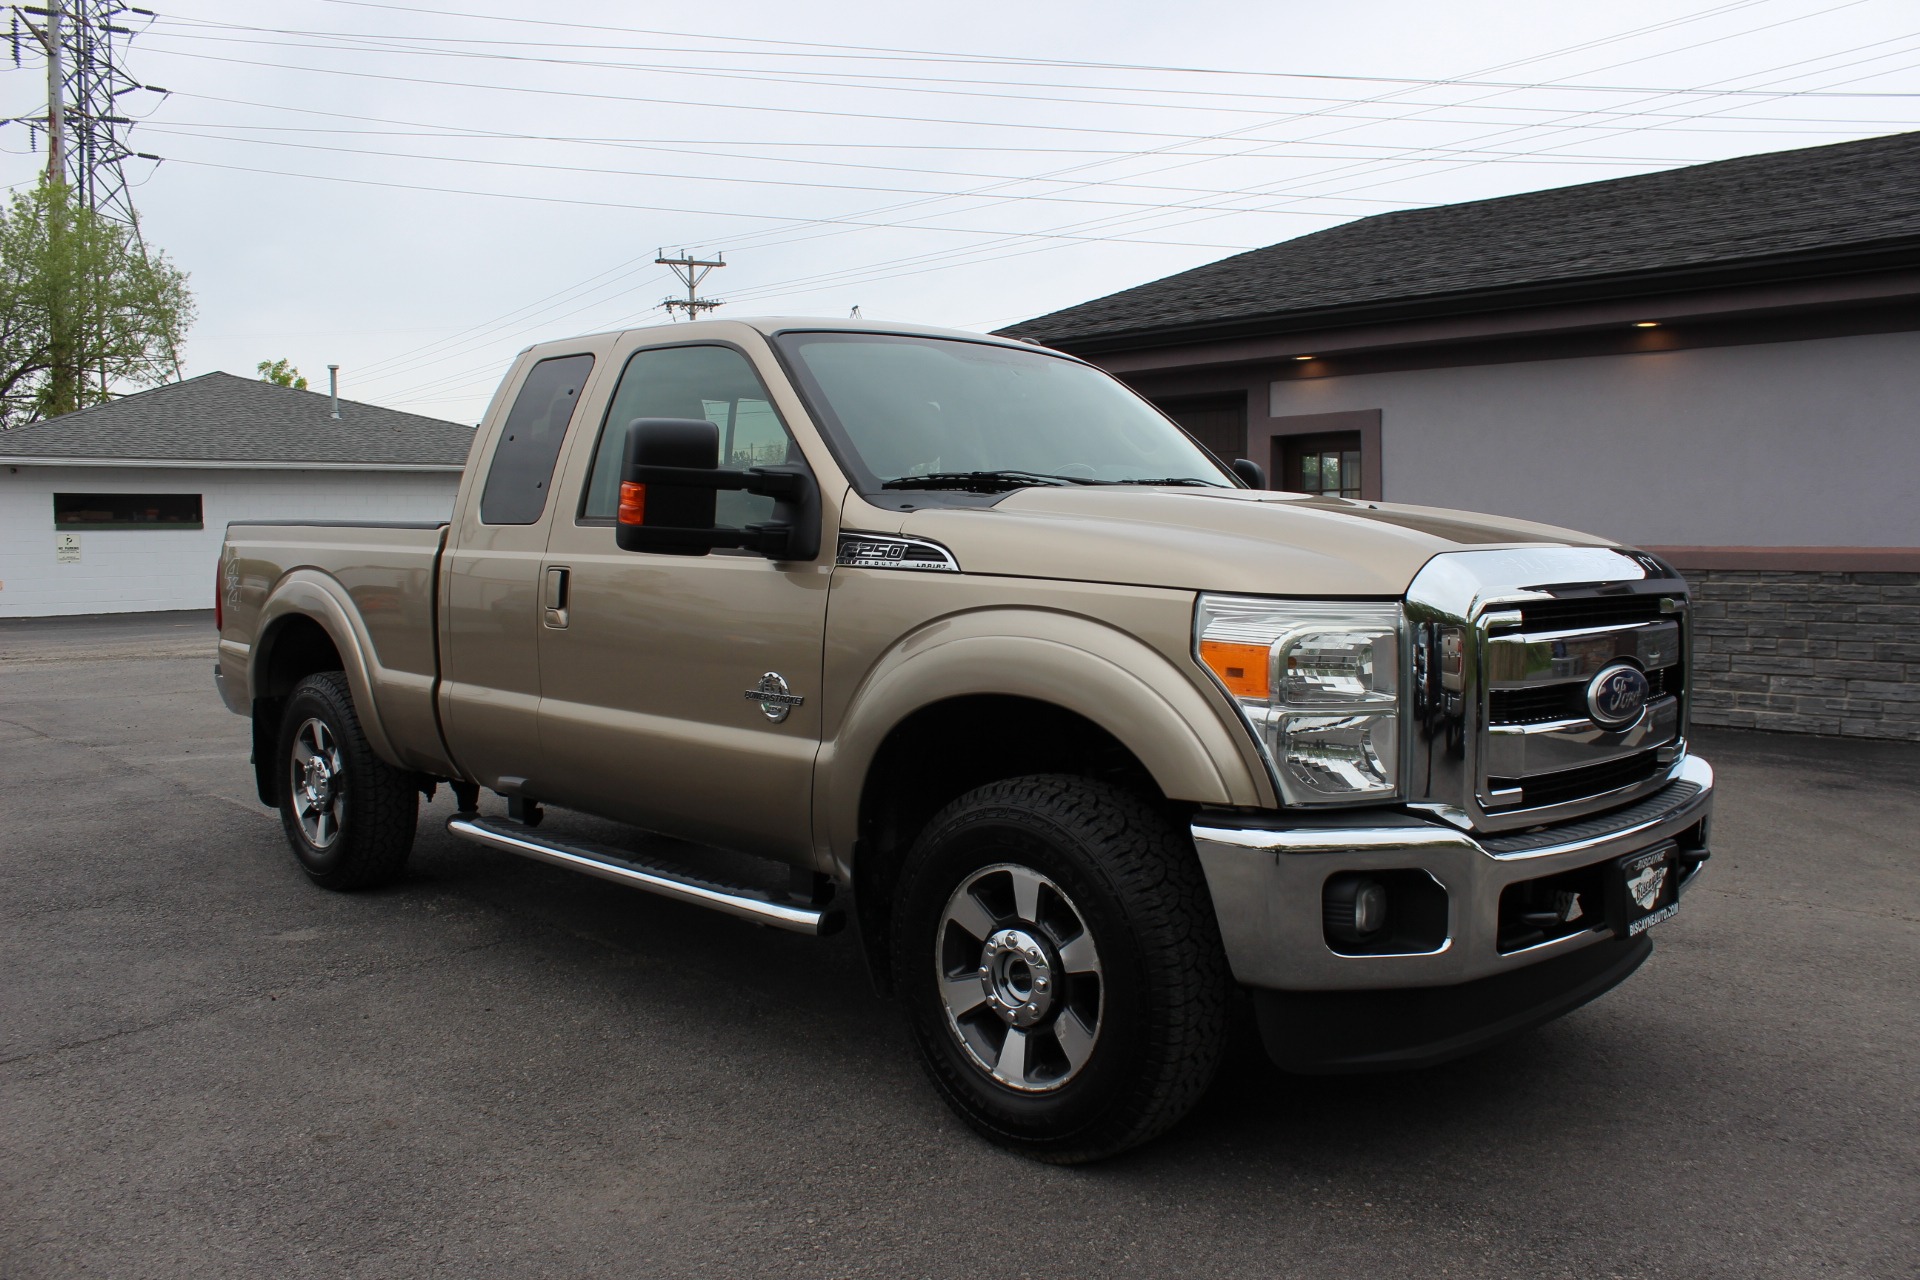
(1077, 728)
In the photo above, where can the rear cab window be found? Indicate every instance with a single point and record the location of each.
(521, 473)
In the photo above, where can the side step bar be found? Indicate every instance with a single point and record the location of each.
(596, 860)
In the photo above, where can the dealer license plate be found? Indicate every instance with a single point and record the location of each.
(1645, 890)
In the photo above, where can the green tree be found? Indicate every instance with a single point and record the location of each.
(83, 308)
(281, 373)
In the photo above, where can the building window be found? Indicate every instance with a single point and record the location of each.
(1336, 454)
(1217, 422)
(1327, 465)
(78, 512)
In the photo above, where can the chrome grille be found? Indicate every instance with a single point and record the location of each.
(1545, 653)
(1506, 645)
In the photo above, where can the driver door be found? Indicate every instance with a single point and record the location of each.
(647, 660)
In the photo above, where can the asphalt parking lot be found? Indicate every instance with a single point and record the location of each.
(208, 1067)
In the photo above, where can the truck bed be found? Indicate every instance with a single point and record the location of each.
(377, 582)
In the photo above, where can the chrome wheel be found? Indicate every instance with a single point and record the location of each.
(1019, 978)
(319, 783)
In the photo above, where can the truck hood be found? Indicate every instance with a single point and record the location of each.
(1248, 541)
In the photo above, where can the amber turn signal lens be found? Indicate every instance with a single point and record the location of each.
(633, 503)
(1243, 668)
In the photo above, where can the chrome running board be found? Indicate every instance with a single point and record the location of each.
(609, 864)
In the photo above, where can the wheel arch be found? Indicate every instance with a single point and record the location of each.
(308, 624)
(982, 697)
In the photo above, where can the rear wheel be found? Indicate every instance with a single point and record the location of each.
(349, 815)
(1061, 966)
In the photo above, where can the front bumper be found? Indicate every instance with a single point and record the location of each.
(1267, 877)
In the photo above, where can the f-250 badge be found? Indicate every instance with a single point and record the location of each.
(772, 695)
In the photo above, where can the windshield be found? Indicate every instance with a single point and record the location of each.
(936, 413)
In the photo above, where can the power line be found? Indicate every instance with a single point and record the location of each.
(1559, 113)
(1040, 197)
(1113, 222)
(975, 253)
(927, 262)
(892, 54)
(1000, 244)
(704, 213)
(993, 252)
(761, 108)
(416, 46)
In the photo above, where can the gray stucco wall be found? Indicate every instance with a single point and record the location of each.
(1808, 443)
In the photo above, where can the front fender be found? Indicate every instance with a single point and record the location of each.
(311, 594)
(1192, 750)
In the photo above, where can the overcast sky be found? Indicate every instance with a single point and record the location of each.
(416, 190)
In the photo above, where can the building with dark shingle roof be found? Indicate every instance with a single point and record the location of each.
(1790, 215)
(120, 507)
(217, 417)
(1721, 362)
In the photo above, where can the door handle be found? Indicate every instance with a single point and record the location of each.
(558, 580)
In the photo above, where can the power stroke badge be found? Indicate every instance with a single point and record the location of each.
(776, 702)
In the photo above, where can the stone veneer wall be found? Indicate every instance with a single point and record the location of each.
(1832, 653)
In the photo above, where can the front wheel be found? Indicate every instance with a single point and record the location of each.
(1061, 966)
(349, 815)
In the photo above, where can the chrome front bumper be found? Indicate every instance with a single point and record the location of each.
(1267, 881)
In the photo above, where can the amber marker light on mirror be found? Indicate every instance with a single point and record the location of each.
(1243, 668)
(633, 502)
(1306, 357)
(1646, 324)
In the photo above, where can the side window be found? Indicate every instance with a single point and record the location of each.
(522, 468)
(715, 383)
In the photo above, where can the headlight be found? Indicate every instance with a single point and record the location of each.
(1319, 683)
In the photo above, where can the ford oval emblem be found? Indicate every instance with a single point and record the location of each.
(1616, 695)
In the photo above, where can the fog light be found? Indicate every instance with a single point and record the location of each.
(1354, 908)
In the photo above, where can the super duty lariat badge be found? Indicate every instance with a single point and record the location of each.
(772, 695)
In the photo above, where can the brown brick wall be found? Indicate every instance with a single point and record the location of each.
(1833, 653)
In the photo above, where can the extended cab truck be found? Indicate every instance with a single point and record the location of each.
(1076, 727)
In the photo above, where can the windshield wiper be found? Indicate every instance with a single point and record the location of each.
(1182, 480)
(980, 481)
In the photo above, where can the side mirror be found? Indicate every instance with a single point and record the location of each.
(1250, 473)
(669, 475)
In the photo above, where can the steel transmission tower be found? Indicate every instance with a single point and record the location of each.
(691, 271)
(86, 77)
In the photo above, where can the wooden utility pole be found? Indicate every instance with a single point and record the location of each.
(56, 95)
(691, 271)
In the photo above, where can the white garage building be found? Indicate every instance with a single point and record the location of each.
(120, 508)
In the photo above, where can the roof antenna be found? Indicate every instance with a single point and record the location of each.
(333, 388)
(854, 314)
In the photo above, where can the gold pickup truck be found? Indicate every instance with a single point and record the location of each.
(1079, 730)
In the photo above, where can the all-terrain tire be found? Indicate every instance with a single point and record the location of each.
(349, 815)
(1110, 866)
